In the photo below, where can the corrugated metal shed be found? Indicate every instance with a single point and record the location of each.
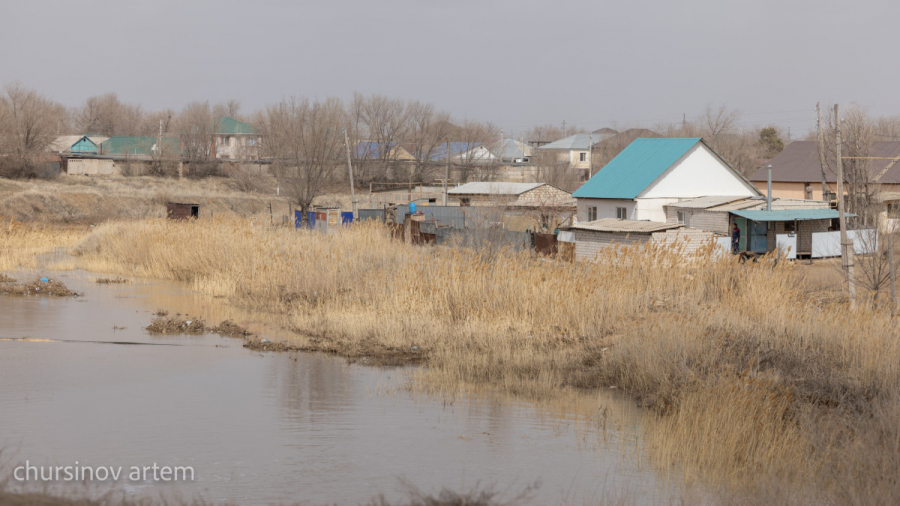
(631, 226)
(789, 215)
(494, 188)
(635, 168)
(707, 202)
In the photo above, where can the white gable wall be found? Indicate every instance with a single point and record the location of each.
(698, 173)
(606, 208)
(652, 209)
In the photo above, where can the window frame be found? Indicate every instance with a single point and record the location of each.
(684, 218)
(622, 213)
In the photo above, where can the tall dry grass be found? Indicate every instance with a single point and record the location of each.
(749, 378)
(23, 244)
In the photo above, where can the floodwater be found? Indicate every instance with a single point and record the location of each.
(270, 428)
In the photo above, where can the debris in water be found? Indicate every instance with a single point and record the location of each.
(230, 329)
(165, 325)
(38, 287)
(111, 281)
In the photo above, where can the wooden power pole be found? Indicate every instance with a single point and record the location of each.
(846, 244)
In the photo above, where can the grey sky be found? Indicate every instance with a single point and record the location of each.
(517, 63)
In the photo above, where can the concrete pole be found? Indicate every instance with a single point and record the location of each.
(846, 244)
(891, 260)
(446, 176)
(353, 201)
(769, 194)
(820, 138)
(590, 155)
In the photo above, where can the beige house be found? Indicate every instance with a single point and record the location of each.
(574, 150)
(797, 172)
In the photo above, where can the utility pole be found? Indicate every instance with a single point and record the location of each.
(353, 201)
(820, 137)
(846, 244)
(893, 277)
(590, 155)
(446, 175)
(564, 129)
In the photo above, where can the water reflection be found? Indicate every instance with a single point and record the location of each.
(265, 428)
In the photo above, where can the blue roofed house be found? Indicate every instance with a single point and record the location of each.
(652, 173)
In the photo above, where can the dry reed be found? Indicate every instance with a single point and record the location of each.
(739, 364)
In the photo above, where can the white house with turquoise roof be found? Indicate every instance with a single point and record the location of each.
(652, 173)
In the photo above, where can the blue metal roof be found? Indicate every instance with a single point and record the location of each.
(635, 168)
(789, 214)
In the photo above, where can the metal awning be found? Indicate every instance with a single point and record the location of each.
(790, 214)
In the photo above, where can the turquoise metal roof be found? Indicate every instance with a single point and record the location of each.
(789, 215)
(635, 168)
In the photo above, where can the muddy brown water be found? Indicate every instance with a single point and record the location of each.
(269, 428)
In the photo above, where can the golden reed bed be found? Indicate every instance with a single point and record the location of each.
(751, 384)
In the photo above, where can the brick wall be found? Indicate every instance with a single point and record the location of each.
(589, 243)
(713, 221)
(689, 239)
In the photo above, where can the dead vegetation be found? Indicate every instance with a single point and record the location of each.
(51, 288)
(6, 279)
(179, 324)
(747, 376)
(111, 281)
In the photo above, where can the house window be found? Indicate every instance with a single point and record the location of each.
(591, 213)
(790, 227)
(251, 141)
(226, 141)
(893, 210)
(684, 218)
(464, 202)
(621, 213)
(582, 157)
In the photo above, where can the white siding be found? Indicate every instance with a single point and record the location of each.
(697, 174)
(606, 208)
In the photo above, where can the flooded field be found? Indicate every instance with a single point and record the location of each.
(84, 382)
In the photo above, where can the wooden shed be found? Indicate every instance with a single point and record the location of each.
(181, 211)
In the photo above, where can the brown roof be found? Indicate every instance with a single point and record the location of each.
(799, 163)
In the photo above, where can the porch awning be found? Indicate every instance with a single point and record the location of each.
(790, 214)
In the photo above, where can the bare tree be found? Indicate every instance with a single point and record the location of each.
(306, 145)
(552, 169)
(428, 131)
(466, 158)
(28, 123)
(106, 115)
(196, 125)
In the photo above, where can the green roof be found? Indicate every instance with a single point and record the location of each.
(138, 145)
(635, 168)
(789, 215)
(232, 126)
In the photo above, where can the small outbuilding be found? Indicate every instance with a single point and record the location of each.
(180, 211)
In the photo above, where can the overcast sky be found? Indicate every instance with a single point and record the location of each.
(517, 63)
